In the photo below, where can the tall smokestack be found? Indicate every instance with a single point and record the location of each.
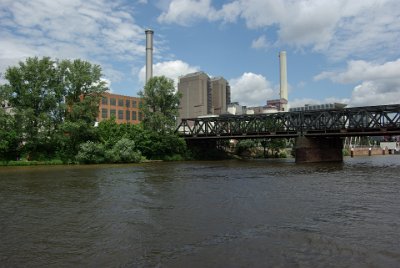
(149, 54)
(283, 71)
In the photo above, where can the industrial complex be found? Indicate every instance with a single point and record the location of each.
(202, 95)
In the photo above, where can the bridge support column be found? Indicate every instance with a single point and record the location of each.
(318, 149)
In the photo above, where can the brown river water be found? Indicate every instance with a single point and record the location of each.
(258, 213)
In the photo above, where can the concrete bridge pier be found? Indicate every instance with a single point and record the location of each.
(318, 149)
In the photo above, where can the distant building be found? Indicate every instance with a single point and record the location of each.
(314, 107)
(196, 95)
(278, 104)
(221, 94)
(236, 109)
(124, 109)
(202, 95)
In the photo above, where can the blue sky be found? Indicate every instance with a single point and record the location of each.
(337, 50)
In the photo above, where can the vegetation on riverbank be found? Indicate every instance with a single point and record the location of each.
(54, 105)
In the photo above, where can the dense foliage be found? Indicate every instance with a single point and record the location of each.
(54, 108)
(265, 148)
(160, 105)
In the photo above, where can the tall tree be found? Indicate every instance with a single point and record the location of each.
(55, 103)
(31, 95)
(83, 87)
(160, 104)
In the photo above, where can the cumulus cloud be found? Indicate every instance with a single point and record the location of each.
(378, 83)
(251, 89)
(170, 69)
(372, 93)
(91, 30)
(338, 28)
(185, 12)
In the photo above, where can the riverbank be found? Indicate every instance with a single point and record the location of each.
(31, 163)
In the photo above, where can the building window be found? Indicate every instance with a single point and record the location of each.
(104, 113)
(120, 102)
(140, 116)
(104, 100)
(134, 104)
(128, 103)
(128, 115)
(120, 114)
(112, 113)
(134, 115)
(112, 101)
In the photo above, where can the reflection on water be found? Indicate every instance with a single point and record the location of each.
(203, 214)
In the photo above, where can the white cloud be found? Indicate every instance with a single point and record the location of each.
(185, 12)
(100, 31)
(337, 28)
(261, 43)
(378, 83)
(170, 69)
(362, 70)
(251, 89)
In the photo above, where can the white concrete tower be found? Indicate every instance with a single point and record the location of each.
(283, 75)
(149, 54)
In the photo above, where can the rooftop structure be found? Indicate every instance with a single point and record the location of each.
(314, 107)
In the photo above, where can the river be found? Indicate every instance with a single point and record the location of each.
(258, 213)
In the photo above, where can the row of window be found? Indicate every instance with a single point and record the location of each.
(113, 113)
(113, 102)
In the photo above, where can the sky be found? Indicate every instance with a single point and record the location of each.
(337, 50)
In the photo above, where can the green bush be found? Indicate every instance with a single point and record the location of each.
(90, 153)
(31, 163)
(282, 155)
(124, 151)
(244, 146)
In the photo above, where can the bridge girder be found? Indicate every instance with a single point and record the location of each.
(359, 121)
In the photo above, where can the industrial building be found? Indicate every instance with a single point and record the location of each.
(326, 106)
(202, 95)
(124, 109)
(221, 94)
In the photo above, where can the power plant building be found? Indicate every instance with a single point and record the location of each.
(202, 95)
(220, 94)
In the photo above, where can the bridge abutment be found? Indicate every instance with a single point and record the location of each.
(318, 149)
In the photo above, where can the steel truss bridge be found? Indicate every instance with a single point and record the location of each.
(359, 121)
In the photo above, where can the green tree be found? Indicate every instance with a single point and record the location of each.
(54, 103)
(8, 136)
(160, 105)
(83, 88)
(32, 96)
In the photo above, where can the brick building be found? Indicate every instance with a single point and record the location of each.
(125, 109)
